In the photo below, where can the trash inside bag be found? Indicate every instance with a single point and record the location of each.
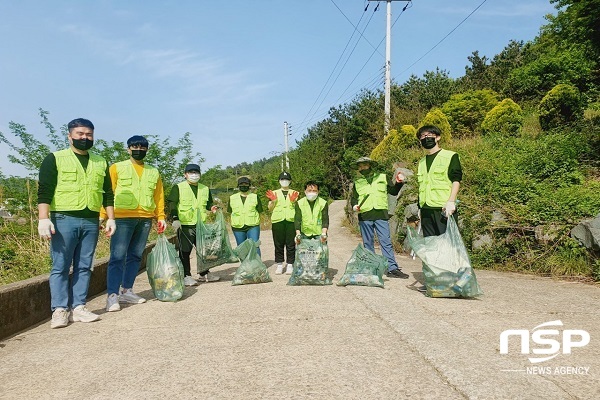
(311, 266)
(212, 243)
(252, 269)
(446, 264)
(364, 268)
(165, 271)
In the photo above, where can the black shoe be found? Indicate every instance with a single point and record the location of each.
(396, 273)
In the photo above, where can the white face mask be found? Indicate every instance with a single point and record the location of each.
(193, 178)
(311, 196)
(284, 183)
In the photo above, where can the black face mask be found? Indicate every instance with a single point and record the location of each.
(83, 144)
(138, 154)
(365, 172)
(428, 142)
(244, 188)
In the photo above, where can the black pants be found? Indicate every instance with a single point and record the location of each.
(284, 235)
(187, 241)
(433, 223)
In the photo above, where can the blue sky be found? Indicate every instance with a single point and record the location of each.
(228, 72)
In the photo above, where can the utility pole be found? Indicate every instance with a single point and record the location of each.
(388, 66)
(285, 138)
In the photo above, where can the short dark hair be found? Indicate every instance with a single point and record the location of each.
(429, 128)
(77, 122)
(312, 183)
(137, 140)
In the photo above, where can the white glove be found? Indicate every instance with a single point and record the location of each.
(161, 226)
(176, 225)
(400, 177)
(450, 208)
(356, 208)
(46, 228)
(214, 209)
(111, 227)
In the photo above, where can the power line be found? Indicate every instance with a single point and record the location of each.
(444, 38)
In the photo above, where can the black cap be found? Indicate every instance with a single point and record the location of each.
(285, 175)
(243, 179)
(192, 167)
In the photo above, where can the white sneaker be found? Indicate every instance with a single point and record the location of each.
(209, 278)
(279, 269)
(82, 314)
(289, 269)
(112, 302)
(127, 296)
(189, 281)
(60, 318)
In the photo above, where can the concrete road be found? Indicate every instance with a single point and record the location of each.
(272, 341)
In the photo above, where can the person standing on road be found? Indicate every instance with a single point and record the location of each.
(139, 198)
(439, 176)
(73, 185)
(184, 201)
(283, 211)
(369, 199)
(245, 209)
(312, 215)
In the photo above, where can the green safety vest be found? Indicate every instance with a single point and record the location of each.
(189, 204)
(284, 208)
(244, 213)
(377, 191)
(312, 219)
(77, 189)
(434, 185)
(134, 191)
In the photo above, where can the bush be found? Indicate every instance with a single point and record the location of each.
(437, 118)
(592, 113)
(505, 119)
(389, 148)
(467, 110)
(562, 104)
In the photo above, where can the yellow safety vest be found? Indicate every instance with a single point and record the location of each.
(244, 213)
(284, 208)
(133, 191)
(312, 219)
(77, 189)
(434, 185)
(189, 204)
(377, 192)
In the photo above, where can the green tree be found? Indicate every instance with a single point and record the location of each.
(436, 117)
(466, 111)
(505, 119)
(560, 105)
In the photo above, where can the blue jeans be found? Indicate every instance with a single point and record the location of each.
(382, 228)
(252, 233)
(74, 243)
(126, 248)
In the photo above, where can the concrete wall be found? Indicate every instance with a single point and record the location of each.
(26, 303)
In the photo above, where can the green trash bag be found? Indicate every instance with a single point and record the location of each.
(446, 264)
(252, 269)
(312, 264)
(364, 268)
(165, 271)
(212, 243)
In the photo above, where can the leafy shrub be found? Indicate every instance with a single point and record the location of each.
(562, 104)
(389, 148)
(437, 118)
(505, 119)
(592, 112)
(466, 111)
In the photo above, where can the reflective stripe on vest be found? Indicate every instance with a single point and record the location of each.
(77, 189)
(434, 185)
(244, 213)
(189, 204)
(312, 219)
(377, 192)
(284, 209)
(134, 191)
